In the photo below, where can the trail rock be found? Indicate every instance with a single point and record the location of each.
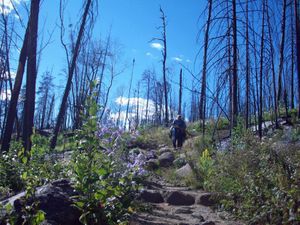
(179, 162)
(151, 154)
(197, 215)
(152, 196)
(163, 150)
(184, 171)
(183, 211)
(166, 159)
(152, 164)
(180, 198)
(55, 200)
(208, 223)
(206, 200)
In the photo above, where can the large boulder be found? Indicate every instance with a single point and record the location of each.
(185, 171)
(166, 159)
(180, 198)
(151, 196)
(55, 199)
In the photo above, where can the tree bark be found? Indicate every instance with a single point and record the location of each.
(247, 67)
(164, 53)
(261, 72)
(63, 105)
(204, 65)
(180, 92)
(297, 25)
(234, 67)
(273, 69)
(12, 110)
(281, 51)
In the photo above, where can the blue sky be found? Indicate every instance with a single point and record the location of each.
(133, 24)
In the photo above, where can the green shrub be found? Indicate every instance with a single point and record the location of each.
(259, 183)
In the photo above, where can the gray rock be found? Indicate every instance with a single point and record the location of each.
(179, 162)
(164, 150)
(151, 154)
(184, 171)
(197, 215)
(166, 159)
(180, 198)
(152, 164)
(151, 196)
(183, 210)
(55, 200)
(206, 200)
(208, 223)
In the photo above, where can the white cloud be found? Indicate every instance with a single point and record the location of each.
(157, 46)
(149, 54)
(188, 61)
(6, 6)
(177, 59)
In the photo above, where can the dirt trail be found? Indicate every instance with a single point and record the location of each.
(172, 205)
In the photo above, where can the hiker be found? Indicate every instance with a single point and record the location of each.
(178, 132)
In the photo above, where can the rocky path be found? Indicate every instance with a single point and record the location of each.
(176, 205)
(170, 205)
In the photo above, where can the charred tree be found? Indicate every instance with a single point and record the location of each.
(62, 110)
(204, 69)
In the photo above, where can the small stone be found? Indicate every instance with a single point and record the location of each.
(179, 162)
(180, 198)
(184, 171)
(197, 215)
(164, 150)
(152, 164)
(208, 223)
(183, 211)
(166, 159)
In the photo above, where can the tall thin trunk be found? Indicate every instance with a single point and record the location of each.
(138, 106)
(12, 110)
(29, 104)
(204, 65)
(280, 70)
(261, 72)
(164, 53)
(234, 67)
(273, 68)
(297, 25)
(63, 105)
(129, 92)
(180, 92)
(293, 59)
(247, 67)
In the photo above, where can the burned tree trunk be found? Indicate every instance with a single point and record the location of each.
(63, 105)
(203, 86)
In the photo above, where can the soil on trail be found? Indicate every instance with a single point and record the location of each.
(169, 204)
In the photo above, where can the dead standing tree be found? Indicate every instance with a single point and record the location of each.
(297, 25)
(163, 39)
(204, 70)
(30, 35)
(71, 69)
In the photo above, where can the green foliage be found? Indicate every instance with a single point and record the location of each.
(152, 137)
(206, 168)
(106, 189)
(258, 182)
